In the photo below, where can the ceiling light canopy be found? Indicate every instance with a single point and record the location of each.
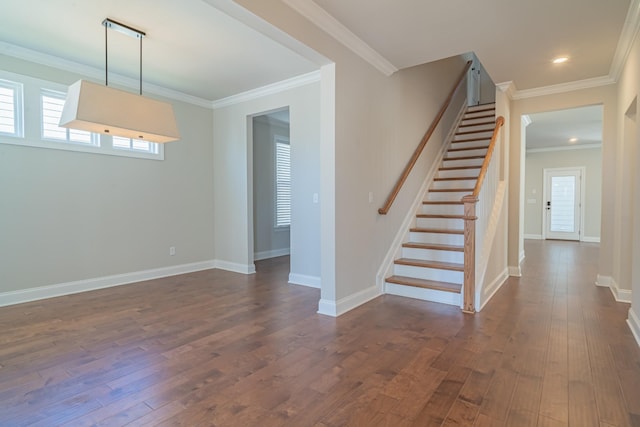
(560, 59)
(573, 140)
(102, 109)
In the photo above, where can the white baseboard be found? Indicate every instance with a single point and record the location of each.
(60, 289)
(304, 280)
(634, 323)
(442, 297)
(235, 267)
(515, 271)
(493, 287)
(337, 308)
(257, 256)
(620, 295)
(533, 236)
(588, 239)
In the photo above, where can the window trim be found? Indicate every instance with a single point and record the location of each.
(280, 140)
(18, 107)
(31, 123)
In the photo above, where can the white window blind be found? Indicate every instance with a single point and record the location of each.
(10, 108)
(121, 143)
(283, 182)
(52, 104)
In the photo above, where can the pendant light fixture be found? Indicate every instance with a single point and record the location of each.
(102, 109)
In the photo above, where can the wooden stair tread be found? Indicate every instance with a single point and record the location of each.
(425, 284)
(446, 159)
(434, 246)
(430, 264)
(471, 140)
(478, 117)
(436, 230)
(482, 147)
(471, 132)
(491, 122)
(442, 202)
(453, 168)
(457, 178)
(443, 216)
(450, 190)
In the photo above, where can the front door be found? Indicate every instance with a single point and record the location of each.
(562, 203)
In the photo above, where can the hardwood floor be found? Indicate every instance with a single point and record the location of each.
(217, 348)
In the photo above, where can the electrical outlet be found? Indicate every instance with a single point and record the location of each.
(172, 250)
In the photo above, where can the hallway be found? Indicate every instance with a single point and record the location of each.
(225, 349)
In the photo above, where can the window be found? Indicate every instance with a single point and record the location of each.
(283, 182)
(52, 104)
(120, 143)
(10, 108)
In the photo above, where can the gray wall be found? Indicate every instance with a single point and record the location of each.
(536, 162)
(68, 216)
(267, 240)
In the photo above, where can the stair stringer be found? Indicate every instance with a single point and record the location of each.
(482, 262)
(402, 236)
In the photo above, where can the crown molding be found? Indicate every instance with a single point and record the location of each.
(627, 37)
(96, 73)
(325, 21)
(509, 88)
(271, 89)
(567, 148)
(563, 87)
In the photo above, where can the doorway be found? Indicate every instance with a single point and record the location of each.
(562, 215)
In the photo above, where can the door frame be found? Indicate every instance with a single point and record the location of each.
(545, 174)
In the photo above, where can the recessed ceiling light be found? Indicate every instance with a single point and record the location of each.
(560, 59)
(572, 140)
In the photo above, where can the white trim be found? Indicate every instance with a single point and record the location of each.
(325, 21)
(60, 289)
(343, 305)
(625, 42)
(396, 246)
(564, 148)
(515, 271)
(97, 73)
(533, 236)
(273, 253)
(563, 87)
(235, 267)
(509, 88)
(433, 295)
(292, 83)
(589, 239)
(620, 295)
(304, 280)
(521, 259)
(634, 324)
(494, 287)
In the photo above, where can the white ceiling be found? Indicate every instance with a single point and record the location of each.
(514, 39)
(191, 46)
(196, 48)
(556, 128)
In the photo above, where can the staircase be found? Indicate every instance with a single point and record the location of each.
(431, 264)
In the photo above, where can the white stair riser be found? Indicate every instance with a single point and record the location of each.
(443, 209)
(456, 183)
(433, 255)
(446, 197)
(442, 297)
(466, 153)
(471, 144)
(478, 128)
(446, 223)
(475, 135)
(438, 238)
(453, 163)
(428, 273)
(480, 119)
(456, 173)
(474, 108)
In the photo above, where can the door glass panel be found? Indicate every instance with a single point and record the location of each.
(563, 194)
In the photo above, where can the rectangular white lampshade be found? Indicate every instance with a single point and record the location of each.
(103, 109)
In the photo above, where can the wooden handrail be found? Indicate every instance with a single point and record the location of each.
(487, 158)
(416, 154)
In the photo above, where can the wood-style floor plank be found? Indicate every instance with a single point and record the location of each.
(215, 348)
